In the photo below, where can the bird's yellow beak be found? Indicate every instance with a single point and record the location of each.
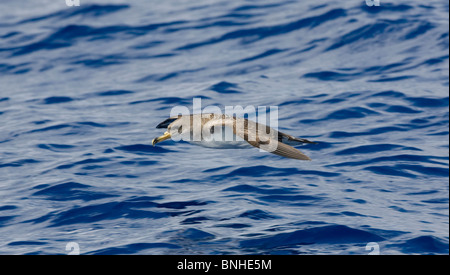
(161, 138)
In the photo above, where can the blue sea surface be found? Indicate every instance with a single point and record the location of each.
(82, 89)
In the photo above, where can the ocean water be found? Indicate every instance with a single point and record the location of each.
(82, 89)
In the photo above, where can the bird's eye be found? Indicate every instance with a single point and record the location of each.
(211, 130)
(180, 129)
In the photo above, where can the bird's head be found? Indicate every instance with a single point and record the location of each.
(176, 129)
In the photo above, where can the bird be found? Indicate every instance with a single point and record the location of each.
(224, 131)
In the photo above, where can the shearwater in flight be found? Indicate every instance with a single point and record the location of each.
(223, 131)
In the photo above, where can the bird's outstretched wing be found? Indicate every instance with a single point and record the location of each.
(249, 132)
(291, 140)
(289, 152)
